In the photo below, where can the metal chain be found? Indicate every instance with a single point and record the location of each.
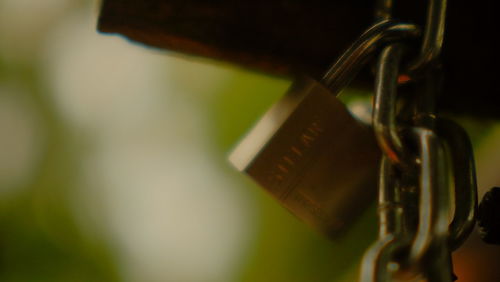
(355, 57)
(432, 42)
(464, 179)
(379, 262)
(417, 231)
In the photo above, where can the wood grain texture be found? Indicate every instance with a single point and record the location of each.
(283, 37)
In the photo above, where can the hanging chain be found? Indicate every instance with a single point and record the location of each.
(421, 220)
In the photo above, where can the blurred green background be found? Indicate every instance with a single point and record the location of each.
(113, 164)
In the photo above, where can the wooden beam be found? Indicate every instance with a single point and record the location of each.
(283, 37)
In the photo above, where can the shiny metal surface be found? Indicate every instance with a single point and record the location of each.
(309, 152)
(392, 237)
(384, 105)
(314, 157)
(465, 183)
(429, 249)
(433, 37)
(428, 254)
(354, 58)
(421, 229)
(403, 253)
(462, 156)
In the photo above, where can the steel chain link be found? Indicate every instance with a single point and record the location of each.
(419, 225)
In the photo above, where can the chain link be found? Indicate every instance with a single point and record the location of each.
(364, 48)
(384, 107)
(379, 264)
(428, 252)
(464, 179)
(419, 225)
(433, 38)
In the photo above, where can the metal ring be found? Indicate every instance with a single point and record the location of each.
(464, 174)
(354, 58)
(429, 250)
(384, 106)
(433, 37)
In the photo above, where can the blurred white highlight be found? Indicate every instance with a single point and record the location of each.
(150, 181)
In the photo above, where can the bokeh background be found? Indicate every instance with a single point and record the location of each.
(113, 165)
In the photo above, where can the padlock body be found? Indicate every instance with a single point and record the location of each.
(313, 156)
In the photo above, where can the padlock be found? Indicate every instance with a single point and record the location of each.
(310, 153)
(313, 156)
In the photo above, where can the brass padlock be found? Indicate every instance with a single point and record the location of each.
(310, 153)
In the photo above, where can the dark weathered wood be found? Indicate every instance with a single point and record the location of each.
(274, 36)
(286, 36)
